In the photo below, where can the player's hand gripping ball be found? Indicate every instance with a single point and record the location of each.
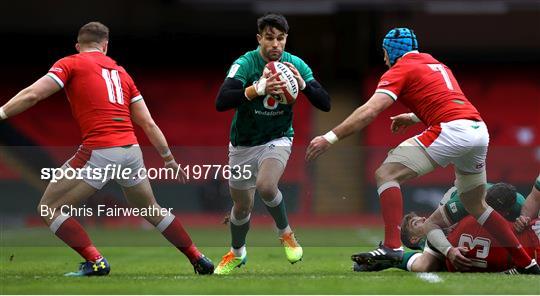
(290, 89)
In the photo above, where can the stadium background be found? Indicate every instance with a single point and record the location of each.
(179, 51)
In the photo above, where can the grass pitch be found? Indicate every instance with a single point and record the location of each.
(33, 262)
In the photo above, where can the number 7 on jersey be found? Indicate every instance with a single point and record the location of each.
(440, 68)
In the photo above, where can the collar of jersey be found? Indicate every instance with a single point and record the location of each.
(408, 52)
(403, 56)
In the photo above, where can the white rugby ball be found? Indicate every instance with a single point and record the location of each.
(290, 90)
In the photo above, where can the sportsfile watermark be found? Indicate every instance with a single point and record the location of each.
(119, 172)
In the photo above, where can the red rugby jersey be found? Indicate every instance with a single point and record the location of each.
(100, 93)
(428, 88)
(485, 251)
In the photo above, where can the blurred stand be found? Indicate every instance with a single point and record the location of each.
(179, 51)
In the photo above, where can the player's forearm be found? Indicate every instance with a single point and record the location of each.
(359, 119)
(317, 96)
(231, 95)
(437, 238)
(156, 137)
(20, 102)
(531, 207)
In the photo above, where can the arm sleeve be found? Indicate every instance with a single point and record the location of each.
(230, 95)
(61, 71)
(317, 95)
(392, 82)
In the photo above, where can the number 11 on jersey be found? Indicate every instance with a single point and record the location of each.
(114, 86)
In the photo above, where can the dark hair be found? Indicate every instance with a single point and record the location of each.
(93, 32)
(501, 197)
(406, 233)
(273, 20)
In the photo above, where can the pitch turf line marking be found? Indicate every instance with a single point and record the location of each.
(429, 277)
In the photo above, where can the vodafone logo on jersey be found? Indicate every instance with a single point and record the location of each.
(384, 83)
(270, 103)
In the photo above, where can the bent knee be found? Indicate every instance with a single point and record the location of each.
(267, 190)
(242, 210)
(393, 172)
(382, 175)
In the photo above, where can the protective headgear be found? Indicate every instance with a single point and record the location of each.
(399, 41)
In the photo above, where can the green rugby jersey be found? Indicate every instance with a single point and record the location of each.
(262, 119)
(456, 211)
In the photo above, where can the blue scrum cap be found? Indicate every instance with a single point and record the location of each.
(398, 41)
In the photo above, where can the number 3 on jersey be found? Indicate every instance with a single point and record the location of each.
(114, 86)
(440, 68)
(482, 246)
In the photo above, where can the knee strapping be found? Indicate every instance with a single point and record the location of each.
(465, 183)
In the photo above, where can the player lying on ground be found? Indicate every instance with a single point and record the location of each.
(476, 250)
(262, 134)
(456, 134)
(104, 101)
(531, 208)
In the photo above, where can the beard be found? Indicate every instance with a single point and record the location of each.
(273, 56)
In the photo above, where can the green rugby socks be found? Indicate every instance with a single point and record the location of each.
(277, 209)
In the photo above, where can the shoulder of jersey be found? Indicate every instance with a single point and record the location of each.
(71, 57)
(252, 54)
(246, 57)
(287, 56)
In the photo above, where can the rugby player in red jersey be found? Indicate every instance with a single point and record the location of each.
(485, 252)
(456, 134)
(482, 251)
(104, 101)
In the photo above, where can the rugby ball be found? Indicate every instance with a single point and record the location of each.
(290, 90)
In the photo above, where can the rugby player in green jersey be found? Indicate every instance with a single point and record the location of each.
(261, 135)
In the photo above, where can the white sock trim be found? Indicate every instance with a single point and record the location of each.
(276, 201)
(483, 218)
(165, 222)
(281, 232)
(411, 261)
(239, 253)
(387, 185)
(239, 222)
(58, 221)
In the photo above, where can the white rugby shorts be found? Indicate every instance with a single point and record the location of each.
(462, 142)
(120, 158)
(250, 158)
